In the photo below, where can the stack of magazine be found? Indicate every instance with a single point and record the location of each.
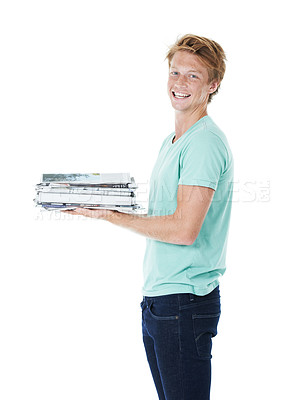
(114, 191)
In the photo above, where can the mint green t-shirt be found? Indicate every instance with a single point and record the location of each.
(201, 157)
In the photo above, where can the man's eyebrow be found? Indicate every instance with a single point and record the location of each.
(196, 71)
(191, 70)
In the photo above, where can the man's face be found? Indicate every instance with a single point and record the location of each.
(188, 86)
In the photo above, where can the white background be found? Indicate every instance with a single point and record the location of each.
(83, 89)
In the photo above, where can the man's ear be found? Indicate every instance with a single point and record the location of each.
(213, 86)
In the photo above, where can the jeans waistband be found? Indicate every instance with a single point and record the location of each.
(183, 299)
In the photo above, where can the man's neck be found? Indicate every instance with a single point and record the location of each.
(183, 122)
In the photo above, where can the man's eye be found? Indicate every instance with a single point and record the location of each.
(173, 73)
(193, 76)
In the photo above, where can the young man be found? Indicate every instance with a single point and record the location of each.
(186, 227)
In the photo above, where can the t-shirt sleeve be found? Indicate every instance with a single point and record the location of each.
(203, 161)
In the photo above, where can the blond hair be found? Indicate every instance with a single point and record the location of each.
(208, 51)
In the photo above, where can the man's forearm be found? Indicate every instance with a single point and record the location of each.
(167, 228)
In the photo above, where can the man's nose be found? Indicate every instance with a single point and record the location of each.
(182, 80)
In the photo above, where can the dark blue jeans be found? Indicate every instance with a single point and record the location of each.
(177, 334)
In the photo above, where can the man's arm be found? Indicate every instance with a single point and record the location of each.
(182, 227)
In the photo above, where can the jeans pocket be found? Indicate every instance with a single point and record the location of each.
(205, 328)
(160, 313)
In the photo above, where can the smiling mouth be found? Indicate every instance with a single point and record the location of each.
(179, 95)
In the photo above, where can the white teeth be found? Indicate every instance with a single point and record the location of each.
(180, 95)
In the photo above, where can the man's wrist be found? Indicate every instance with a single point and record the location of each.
(112, 215)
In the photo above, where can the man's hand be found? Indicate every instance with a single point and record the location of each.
(90, 213)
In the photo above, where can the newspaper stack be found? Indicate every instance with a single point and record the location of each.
(68, 191)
